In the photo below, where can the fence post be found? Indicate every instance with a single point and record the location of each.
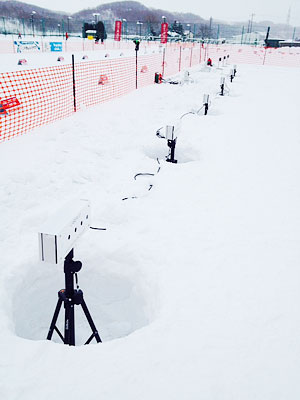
(200, 53)
(136, 68)
(179, 58)
(206, 51)
(265, 56)
(163, 63)
(74, 88)
(191, 57)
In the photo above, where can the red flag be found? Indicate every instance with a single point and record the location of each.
(164, 32)
(118, 30)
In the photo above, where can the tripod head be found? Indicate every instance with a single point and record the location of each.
(71, 266)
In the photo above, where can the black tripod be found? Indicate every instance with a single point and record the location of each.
(70, 297)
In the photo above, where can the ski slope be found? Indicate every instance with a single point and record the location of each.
(194, 286)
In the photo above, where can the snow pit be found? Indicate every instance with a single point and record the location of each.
(116, 305)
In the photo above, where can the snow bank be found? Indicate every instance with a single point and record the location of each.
(195, 280)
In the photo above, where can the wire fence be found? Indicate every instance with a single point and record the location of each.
(35, 97)
(38, 24)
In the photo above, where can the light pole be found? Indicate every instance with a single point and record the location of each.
(43, 26)
(4, 26)
(189, 29)
(69, 24)
(96, 15)
(140, 28)
(32, 21)
(124, 26)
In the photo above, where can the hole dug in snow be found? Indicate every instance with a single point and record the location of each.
(116, 305)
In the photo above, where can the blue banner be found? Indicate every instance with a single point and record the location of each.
(56, 46)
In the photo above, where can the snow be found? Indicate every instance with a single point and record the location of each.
(194, 286)
(46, 58)
(40, 60)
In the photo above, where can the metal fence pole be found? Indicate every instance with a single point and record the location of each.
(74, 87)
(4, 28)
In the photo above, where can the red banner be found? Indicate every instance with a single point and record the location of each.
(118, 30)
(164, 33)
(8, 103)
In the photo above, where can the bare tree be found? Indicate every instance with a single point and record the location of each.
(205, 31)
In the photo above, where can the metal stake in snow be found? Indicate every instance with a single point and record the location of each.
(222, 85)
(231, 75)
(171, 137)
(234, 70)
(171, 140)
(220, 59)
(205, 103)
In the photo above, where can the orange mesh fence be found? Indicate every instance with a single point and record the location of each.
(99, 81)
(148, 65)
(195, 55)
(32, 98)
(35, 97)
(171, 61)
(238, 54)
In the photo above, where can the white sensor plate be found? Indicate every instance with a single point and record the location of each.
(58, 235)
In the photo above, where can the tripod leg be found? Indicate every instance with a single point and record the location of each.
(54, 319)
(91, 322)
(69, 324)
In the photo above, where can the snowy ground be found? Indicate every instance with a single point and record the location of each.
(40, 60)
(194, 286)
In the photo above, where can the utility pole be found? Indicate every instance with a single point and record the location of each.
(242, 37)
(288, 19)
(251, 22)
(210, 26)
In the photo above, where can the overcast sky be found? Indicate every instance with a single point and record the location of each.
(228, 10)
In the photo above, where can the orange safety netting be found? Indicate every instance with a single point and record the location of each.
(35, 97)
(44, 95)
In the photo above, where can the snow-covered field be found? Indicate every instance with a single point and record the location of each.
(194, 286)
(40, 60)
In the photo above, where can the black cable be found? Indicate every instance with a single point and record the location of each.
(158, 133)
(197, 112)
(190, 112)
(159, 166)
(142, 174)
(126, 198)
(170, 82)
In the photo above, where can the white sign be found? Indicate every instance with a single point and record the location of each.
(27, 46)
